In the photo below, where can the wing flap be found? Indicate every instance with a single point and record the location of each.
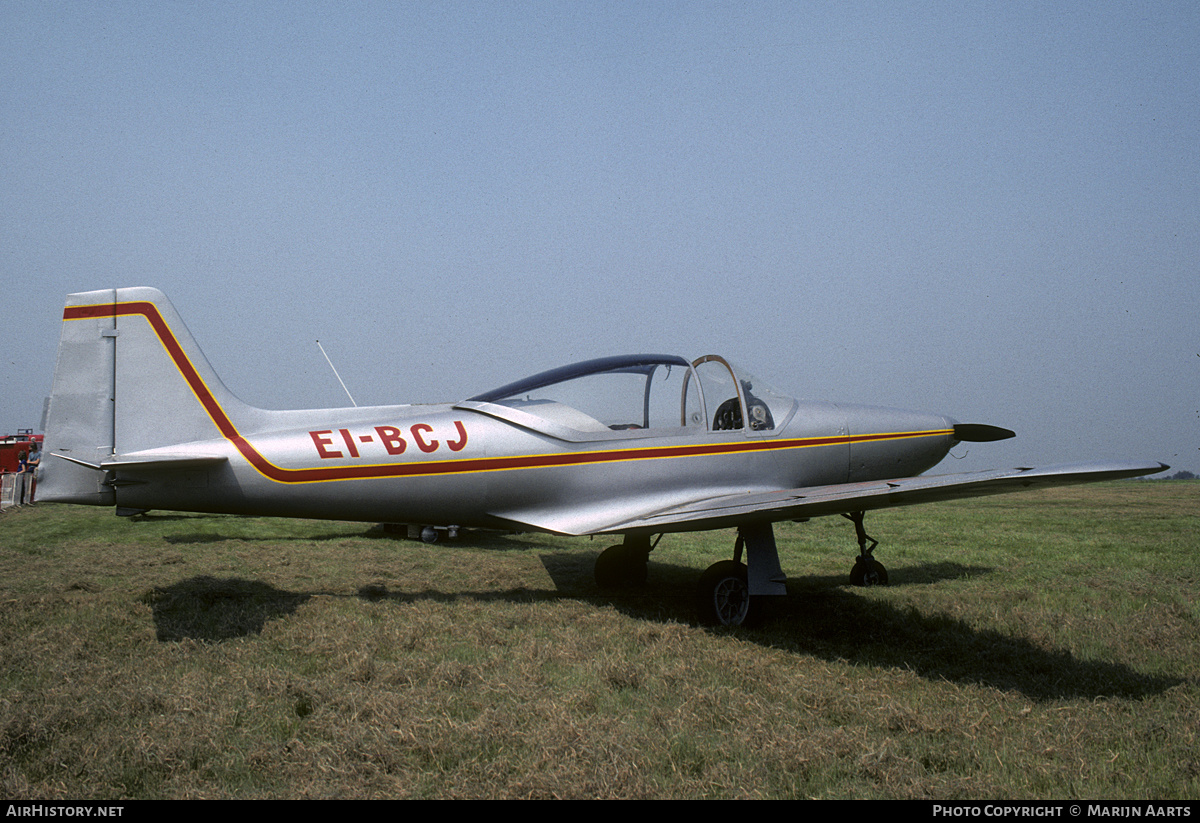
(602, 516)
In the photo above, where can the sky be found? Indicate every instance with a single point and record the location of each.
(987, 210)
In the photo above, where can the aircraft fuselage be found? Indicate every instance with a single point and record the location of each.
(447, 465)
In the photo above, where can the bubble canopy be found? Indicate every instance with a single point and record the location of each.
(634, 393)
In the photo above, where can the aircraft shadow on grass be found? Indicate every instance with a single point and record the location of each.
(492, 541)
(821, 617)
(217, 608)
(218, 537)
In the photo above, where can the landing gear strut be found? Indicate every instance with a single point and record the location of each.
(867, 570)
(625, 563)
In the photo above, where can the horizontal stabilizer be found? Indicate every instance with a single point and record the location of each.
(154, 461)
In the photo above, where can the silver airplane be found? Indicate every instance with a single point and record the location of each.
(636, 445)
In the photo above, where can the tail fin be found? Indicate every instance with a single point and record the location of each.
(129, 377)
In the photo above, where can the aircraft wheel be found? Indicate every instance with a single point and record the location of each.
(723, 596)
(871, 573)
(618, 566)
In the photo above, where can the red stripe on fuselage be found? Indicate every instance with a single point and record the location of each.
(435, 467)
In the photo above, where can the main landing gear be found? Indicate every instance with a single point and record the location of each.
(732, 593)
(723, 594)
(867, 570)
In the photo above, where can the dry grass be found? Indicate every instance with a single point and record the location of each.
(1045, 645)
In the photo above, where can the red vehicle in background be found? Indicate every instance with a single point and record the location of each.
(19, 456)
(20, 451)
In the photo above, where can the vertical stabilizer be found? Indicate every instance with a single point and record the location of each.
(129, 377)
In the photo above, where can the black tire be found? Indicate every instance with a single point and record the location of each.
(723, 596)
(619, 566)
(868, 575)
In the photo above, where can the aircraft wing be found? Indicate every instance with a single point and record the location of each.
(797, 504)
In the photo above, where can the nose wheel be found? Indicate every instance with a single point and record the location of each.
(869, 573)
(867, 570)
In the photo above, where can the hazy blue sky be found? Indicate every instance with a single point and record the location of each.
(990, 210)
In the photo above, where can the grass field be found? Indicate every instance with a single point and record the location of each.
(1044, 645)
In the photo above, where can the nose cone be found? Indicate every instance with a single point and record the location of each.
(887, 443)
(980, 433)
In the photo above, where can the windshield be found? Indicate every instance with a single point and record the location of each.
(735, 399)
